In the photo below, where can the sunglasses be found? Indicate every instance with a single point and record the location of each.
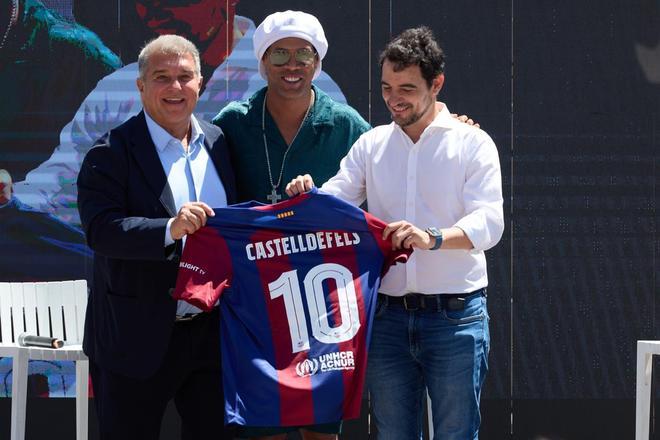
(280, 57)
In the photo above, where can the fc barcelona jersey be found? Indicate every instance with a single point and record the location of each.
(298, 282)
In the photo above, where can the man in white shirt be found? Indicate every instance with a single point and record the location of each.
(442, 177)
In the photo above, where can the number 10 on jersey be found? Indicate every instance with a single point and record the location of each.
(288, 287)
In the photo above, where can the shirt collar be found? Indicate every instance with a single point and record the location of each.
(443, 120)
(323, 108)
(162, 138)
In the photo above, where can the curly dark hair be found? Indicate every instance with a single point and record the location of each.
(415, 46)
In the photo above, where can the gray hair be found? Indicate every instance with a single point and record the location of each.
(167, 45)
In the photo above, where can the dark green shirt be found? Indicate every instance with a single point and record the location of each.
(325, 137)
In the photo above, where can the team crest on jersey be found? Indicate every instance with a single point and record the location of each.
(285, 214)
(339, 360)
(308, 367)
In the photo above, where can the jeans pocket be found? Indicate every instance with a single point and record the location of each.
(381, 306)
(471, 313)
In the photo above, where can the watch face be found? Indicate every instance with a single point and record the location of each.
(437, 235)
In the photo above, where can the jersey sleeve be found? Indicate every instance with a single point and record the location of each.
(392, 256)
(205, 269)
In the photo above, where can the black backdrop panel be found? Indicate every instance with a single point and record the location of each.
(584, 199)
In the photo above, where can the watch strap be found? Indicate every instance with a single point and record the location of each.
(437, 235)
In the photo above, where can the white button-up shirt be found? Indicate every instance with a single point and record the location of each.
(450, 177)
(191, 176)
(205, 186)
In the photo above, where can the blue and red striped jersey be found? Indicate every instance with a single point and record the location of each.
(298, 281)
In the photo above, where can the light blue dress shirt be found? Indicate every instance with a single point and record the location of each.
(191, 176)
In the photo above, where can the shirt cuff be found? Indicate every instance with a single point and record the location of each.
(168, 237)
(477, 235)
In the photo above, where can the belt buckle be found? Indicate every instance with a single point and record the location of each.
(185, 318)
(405, 304)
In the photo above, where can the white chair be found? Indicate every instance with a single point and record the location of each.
(55, 309)
(645, 352)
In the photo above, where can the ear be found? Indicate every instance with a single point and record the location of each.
(437, 84)
(140, 84)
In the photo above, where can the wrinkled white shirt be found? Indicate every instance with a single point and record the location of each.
(450, 177)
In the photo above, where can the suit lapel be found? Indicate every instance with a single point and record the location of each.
(144, 151)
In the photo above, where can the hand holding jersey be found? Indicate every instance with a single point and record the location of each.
(189, 219)
(404, 234)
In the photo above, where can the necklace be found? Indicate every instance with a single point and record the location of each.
(12, 19)
(274, 197)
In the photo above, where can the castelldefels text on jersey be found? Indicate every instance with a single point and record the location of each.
(300, 243)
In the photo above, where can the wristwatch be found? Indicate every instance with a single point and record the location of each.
(437, 234)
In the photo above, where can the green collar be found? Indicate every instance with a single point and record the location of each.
(321, 111)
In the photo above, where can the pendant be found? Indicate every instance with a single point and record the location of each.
(274, 197)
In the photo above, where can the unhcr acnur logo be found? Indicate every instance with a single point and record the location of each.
(308, 367)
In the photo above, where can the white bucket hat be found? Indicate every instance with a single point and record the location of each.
(287, 24)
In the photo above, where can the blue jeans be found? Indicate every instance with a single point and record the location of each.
(442, 351)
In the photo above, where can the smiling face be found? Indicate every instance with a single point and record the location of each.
(408, 96)
(169, 91)
(293, 79)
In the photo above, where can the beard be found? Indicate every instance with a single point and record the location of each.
(413, 117)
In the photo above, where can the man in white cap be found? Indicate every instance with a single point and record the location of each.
(287, 128)
(291, 126)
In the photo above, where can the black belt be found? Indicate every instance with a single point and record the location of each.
(187, 317)
(193, 316)
(433, 303)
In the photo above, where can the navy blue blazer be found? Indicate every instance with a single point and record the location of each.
(125, 202)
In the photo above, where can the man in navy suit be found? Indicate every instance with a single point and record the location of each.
(142, 188)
